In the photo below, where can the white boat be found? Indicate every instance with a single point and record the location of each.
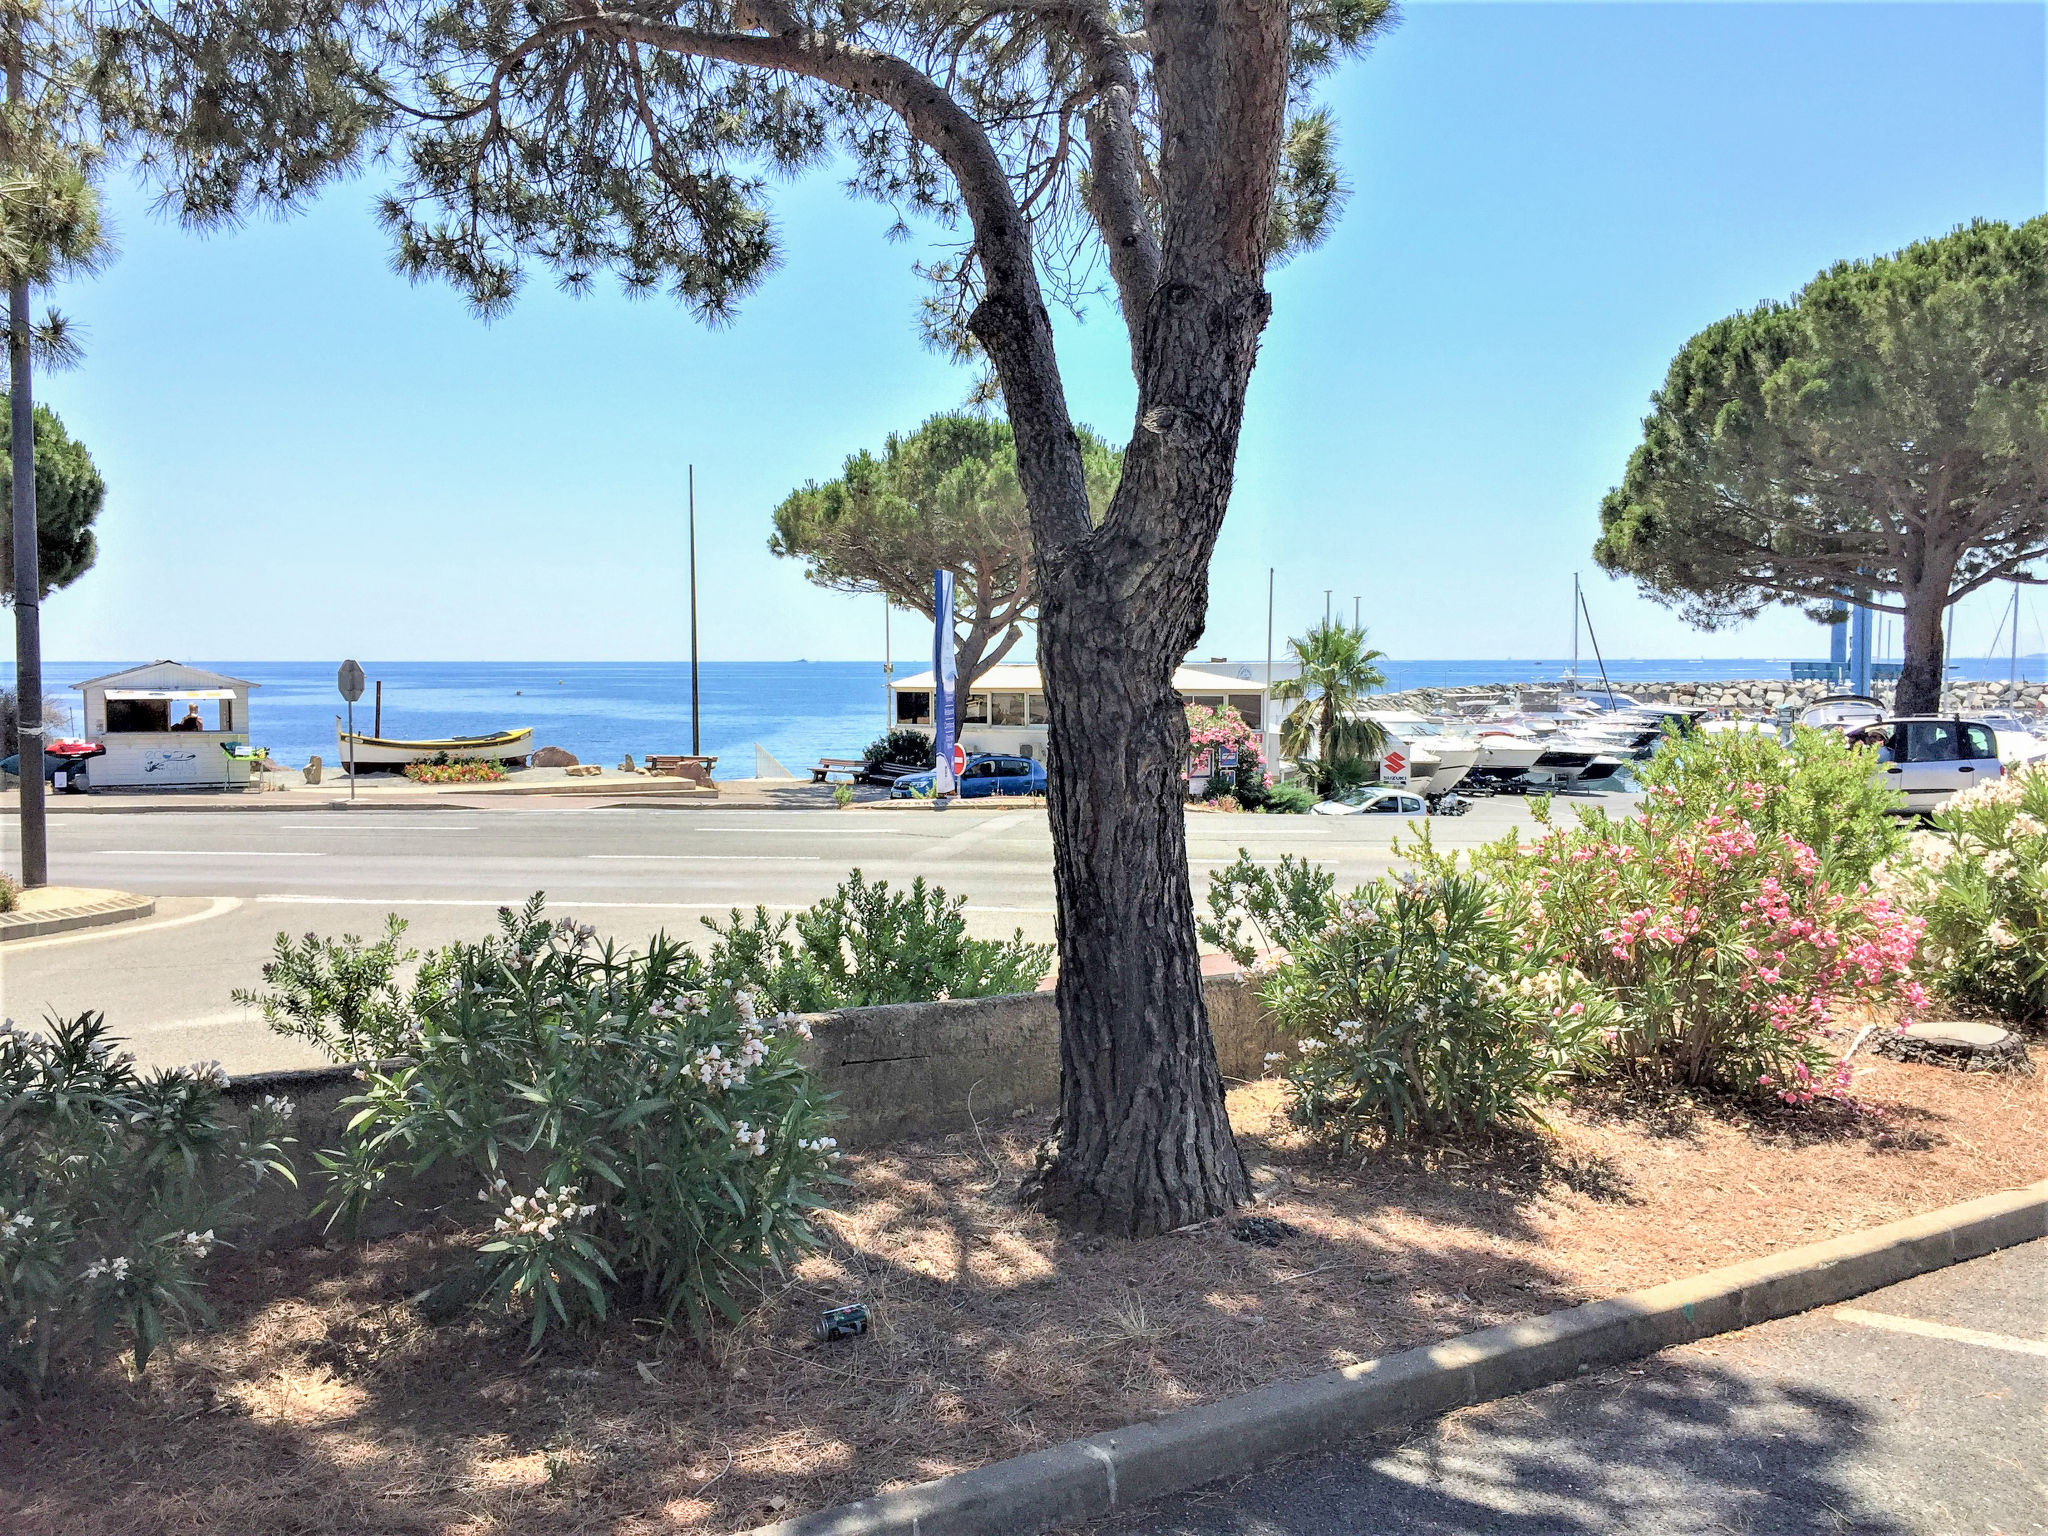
(385, 752)
(1450, 754)
(2019, 741)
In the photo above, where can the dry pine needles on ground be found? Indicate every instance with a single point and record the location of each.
(322, 1404)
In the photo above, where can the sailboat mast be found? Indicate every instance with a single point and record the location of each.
(1576, 601)
(696, 734)
(2014, 680)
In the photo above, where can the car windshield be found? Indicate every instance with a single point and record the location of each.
(1365, 794)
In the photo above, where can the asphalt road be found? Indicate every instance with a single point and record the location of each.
(229, 881)
(1915, 1411)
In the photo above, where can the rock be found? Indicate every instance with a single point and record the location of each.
(1962, 1043)
(583, 770)
(313, 771)
(1262, 1231)
(553, 757)
(629, 766)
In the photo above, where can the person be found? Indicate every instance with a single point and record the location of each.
(191, 721)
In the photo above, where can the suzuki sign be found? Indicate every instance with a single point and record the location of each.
(1394, 768)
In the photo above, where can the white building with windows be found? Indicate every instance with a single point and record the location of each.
(168, 726)
(1005, 712)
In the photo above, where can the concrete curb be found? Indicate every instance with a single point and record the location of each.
(118, 908)
(1086, 1479)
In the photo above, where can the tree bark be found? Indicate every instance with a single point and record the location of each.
(1144, 1138)
(1922, 656)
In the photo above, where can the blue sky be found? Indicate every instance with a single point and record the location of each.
(310, 457)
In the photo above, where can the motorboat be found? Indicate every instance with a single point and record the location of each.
(1841, 711)
(1506, 756)
(1514, 756)
(1450, 754)
(359, 750)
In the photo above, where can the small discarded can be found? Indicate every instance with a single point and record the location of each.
(848, 1322)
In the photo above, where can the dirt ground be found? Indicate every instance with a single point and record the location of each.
(321, 1404)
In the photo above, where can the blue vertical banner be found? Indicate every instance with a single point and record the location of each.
(945, 682)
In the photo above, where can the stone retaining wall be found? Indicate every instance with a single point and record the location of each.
(1751, 695)
(909, 1069)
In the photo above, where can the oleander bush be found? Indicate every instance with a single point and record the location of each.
(639, 1131)
(1980, 881)
(1415, 1004)
(115, 1185)
(1253, 908)
(867, 944)
(1726, 948)
(10, 893)
(1819, 790)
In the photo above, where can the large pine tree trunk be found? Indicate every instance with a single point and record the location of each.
(1144, 1145)
(1922, 655)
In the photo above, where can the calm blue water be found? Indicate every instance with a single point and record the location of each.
(799, 711)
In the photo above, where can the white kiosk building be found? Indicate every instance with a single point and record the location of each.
(168, 726)
(1005, 712)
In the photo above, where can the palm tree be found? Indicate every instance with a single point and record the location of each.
(1337, 672)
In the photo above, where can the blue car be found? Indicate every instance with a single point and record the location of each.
(989, 774)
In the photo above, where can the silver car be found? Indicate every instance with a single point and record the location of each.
(1927, 758)
(1374, 800)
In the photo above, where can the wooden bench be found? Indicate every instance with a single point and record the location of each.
(681, 766)
(850, 768)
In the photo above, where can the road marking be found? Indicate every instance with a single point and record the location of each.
(1927, 1330)
(217, 906)
(200, 853)
(717, 858)
(485, 901)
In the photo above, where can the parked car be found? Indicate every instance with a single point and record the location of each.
(1374, 800)
(1927, 758)
(989, 774)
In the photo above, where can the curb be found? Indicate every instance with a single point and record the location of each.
(1086, 1479)
(121, 908)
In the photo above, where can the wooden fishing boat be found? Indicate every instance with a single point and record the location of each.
(383, 752)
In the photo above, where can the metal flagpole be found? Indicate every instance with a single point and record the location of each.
(1326, 607)
(2013, 682)
(1266, 707)
(696, 733)
(888, 673)
(1356, 621)
(1576, 601)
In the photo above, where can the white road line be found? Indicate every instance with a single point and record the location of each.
(1927, 1330)
(715, 858)
(198, 853)
(553, 901)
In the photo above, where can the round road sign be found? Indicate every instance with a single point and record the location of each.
(350, 681)
(959, 759)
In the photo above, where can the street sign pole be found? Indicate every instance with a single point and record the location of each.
(349, 681)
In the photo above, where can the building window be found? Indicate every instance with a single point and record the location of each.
(977, 710)
(913, 708)
(1006, 709)
(138, 715)
(1247, 705)
(1034, 710)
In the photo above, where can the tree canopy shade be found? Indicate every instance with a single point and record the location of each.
(1883, 437)
(1338, 671)
(944, 497)
(69, 495)
(1167, 151)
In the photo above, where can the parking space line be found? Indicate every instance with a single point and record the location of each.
(1891, 1323)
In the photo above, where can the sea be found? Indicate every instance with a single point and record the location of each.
(794, 711)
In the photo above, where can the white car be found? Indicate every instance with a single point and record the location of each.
(1927, 758)
(1373, 800)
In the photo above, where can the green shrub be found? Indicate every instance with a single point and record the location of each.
(1288, 800)
(1980, 881)
(842, 795)
(674, 1144)
(114, 1187)
(866, 944)
(1820, 791)
(10, 893)
(1419, 1006)
(917, 749)
(1725, 948)
(1253, 908)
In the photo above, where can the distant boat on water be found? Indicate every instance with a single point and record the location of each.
(384, 752)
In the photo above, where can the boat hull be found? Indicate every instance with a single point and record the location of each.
(384, 752)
